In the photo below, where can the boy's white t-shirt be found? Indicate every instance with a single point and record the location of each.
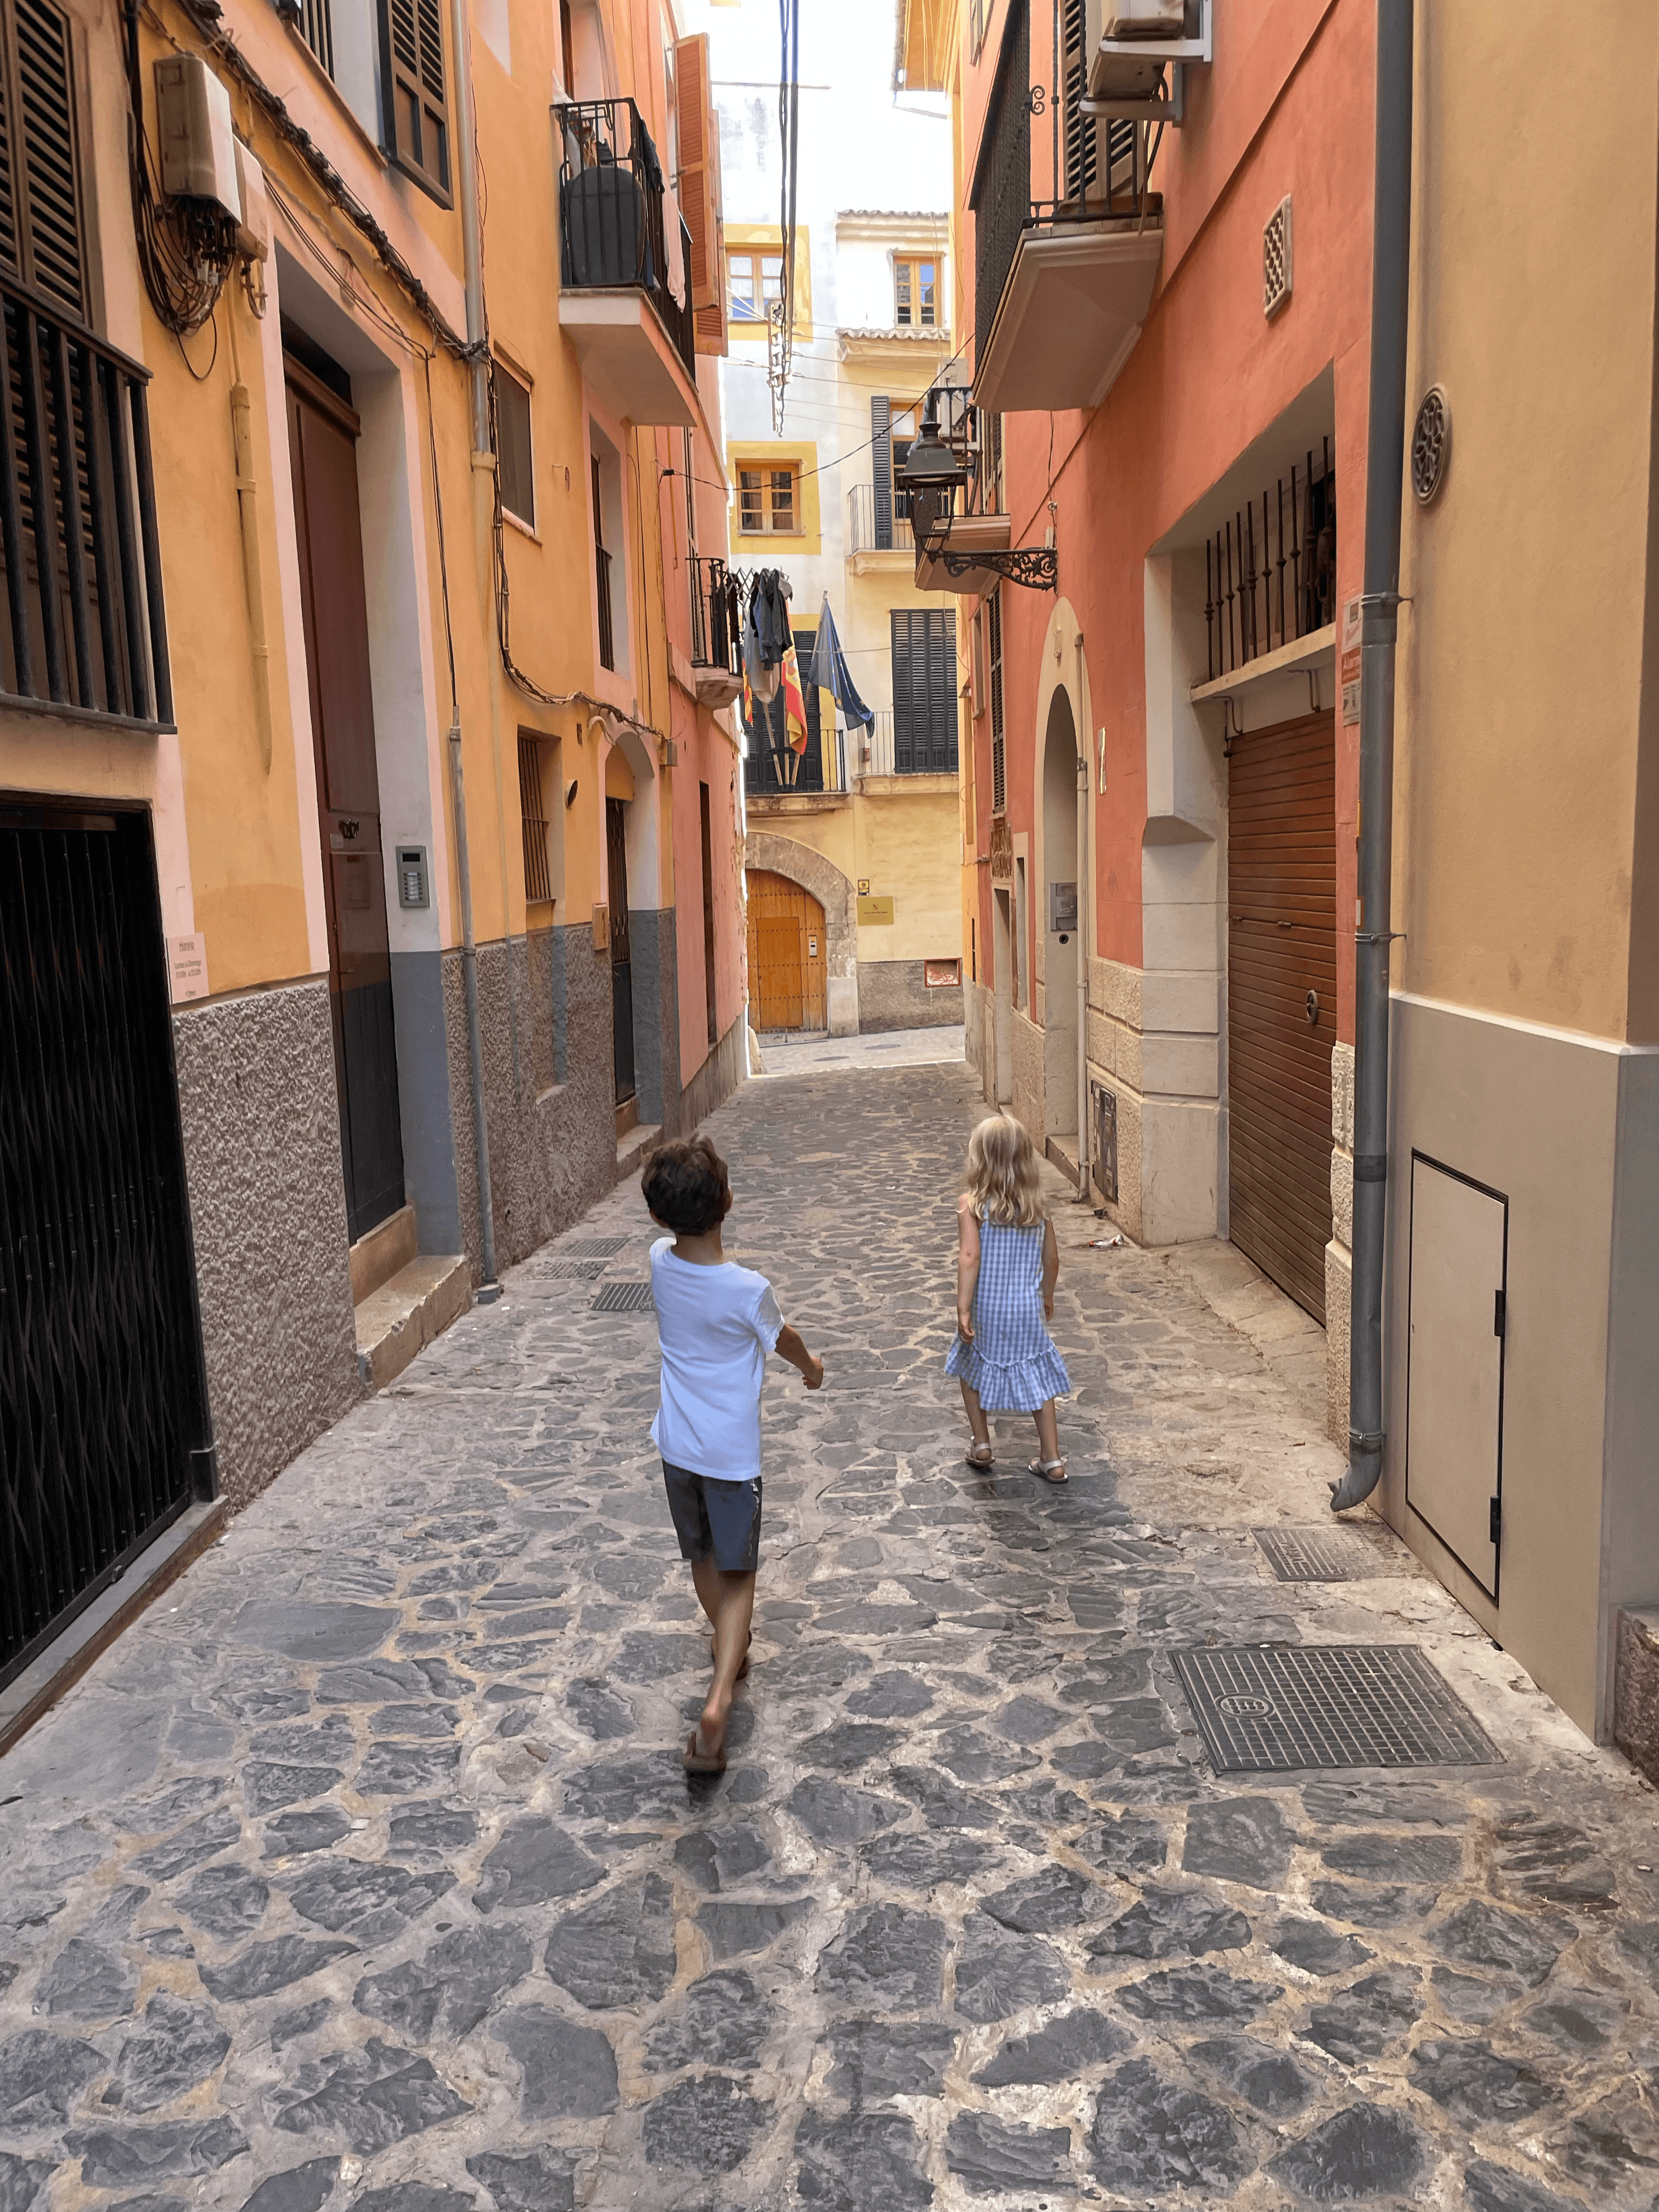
(716, 1326)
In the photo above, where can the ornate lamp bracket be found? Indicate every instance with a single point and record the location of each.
(1035, 567)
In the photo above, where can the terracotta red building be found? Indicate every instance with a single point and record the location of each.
(1167, 273)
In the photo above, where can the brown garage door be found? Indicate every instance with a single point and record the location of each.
(1281, 998)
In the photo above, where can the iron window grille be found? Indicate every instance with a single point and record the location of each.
(1270, 570)
(537, 874)
(999, 754)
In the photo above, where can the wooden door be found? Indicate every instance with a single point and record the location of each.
(1281, 999)
(334, 606)
(621, 959)
(787, 960)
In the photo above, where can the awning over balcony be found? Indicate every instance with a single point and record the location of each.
(966, 534)
(626, 355)
(1071, 311)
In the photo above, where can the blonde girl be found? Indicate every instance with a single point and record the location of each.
(1007, 1262)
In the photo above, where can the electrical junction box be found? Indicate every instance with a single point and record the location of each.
(413, 888)
(198, 145)
(1062, 908)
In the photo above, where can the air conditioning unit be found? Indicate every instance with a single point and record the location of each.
(1132, 42)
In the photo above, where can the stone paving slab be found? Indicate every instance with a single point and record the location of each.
(362, 1872)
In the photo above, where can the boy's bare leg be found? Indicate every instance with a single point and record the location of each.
(976, 1421)
(1047, 1430)
(729, 1601)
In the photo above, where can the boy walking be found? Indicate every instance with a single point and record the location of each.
(717, 1322)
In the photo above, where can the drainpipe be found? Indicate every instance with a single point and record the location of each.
(1083, 907)
(473, 260)
(1385, 461)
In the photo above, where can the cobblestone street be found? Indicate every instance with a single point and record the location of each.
(362, 1872)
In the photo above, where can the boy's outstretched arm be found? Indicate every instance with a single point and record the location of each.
(789, 1346)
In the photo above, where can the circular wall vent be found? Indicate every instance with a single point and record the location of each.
(1431, 444)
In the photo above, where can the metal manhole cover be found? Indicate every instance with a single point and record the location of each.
(1268, 1708)
(594, 1247)
(585, 1270)
(622, 1298)
(1317, 1555)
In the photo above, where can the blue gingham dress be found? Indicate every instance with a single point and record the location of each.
(1012, 1362)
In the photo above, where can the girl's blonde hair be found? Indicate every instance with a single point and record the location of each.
(1003, 1177)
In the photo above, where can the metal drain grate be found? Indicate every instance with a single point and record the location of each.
(594, 1247)
(1268, 1708)
(584, 1270)
(622, 1298)
(1317, 1555)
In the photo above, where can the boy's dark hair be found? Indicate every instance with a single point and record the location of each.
(686, 1186)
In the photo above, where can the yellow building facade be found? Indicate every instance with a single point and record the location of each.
(370, 796)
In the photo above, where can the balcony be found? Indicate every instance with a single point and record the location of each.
(877, 526)
(778, 781)
(955, 523)
(617, 303)
(84, 634)
(716, 631)
(1062, 286)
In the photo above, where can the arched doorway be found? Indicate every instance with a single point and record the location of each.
(788, 955)
(1060, 920)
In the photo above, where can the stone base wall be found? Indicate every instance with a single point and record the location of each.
(979, 1042)
(543, 1008)
(260, 1113)
(1636, 1690)
(727, 1066)
(893, 995)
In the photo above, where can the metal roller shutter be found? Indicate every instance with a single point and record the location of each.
(1281, 916)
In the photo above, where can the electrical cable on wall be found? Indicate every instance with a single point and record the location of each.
(186, 246)
(780, 322)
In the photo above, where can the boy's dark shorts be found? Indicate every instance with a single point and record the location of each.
(715, 1520)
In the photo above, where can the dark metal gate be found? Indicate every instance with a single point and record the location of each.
(104, 1429)
(621, 963)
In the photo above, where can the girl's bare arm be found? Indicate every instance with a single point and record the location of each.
(1050, 1268)
(966, 1269)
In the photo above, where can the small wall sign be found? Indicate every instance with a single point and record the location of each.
(811, 948)
(187, 966)
(875, 913)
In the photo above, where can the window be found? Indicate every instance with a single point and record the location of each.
(998, 763)
(532, 808)
(924, 691)
(40, 237)
(768, 503)
(754, 281)
(602, 570)
(416, 101)
(515, 471)
(915, 293)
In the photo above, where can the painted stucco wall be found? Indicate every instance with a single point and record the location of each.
(1520, 664)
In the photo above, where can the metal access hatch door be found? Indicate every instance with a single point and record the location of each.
(1454, 1375)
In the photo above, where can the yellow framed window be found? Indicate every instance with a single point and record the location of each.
(915, 293)
(754, 281)
(768, 502)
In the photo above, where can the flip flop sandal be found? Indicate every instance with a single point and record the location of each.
(748, 1648)
(701, 1762)
(980, 1455)
(1046, 1468)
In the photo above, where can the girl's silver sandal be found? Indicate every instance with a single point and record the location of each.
(1051, 1470)
(980, 1454)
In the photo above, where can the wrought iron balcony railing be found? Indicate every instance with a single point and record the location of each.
(85, 628)
(716, 618)
(1270, 570)
(877, 526)
(612, 211)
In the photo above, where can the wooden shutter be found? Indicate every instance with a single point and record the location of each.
(699, 188)
(881, 450)
(413, 84)
(40, 237)
(941, 642)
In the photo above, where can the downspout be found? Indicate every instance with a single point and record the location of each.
(1085, 904)
(1385, 463)
(472, 255)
